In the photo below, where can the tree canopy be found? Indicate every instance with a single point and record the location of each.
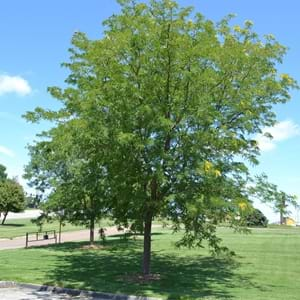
(12, 198)
(159, 118)
(70, 175)
(270, 194)
(255, 218)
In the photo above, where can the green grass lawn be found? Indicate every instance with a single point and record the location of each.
(16, 228)
(267, 266)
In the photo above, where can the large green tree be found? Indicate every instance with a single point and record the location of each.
(169, 103)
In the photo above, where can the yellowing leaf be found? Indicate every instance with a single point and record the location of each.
(242, 205)
(218, 173)
(207, 166)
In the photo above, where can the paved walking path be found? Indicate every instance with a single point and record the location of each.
(28, 294)
(81, 235)
(26, 214)
(24, 291)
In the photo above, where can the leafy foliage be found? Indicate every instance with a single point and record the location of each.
(32, 201)
(270, 194)
(75, 184)
(3, 174)
(256, 218)
(12, 198)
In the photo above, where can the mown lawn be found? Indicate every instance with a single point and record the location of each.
(267, 266)
(19, 227)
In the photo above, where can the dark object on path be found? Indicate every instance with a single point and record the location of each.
(32, 237)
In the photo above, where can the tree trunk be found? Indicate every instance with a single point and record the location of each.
(4, 217)
(59, 233)
(147, 244)
(281, 218)
(92, 230)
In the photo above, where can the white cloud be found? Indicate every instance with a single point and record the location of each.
(6, 151)
(265, 144)
(281, 131)
(14, 84)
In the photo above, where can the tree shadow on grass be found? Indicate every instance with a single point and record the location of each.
(11, 225)
(133, 236)
(187, 277)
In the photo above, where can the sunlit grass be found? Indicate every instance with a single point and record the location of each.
(266, 266)
(19, 227)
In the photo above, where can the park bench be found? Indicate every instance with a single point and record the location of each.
(32, 237)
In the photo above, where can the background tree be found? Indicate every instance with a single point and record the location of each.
(255, 218)
(12, 198)
(73, 181)
(170, 101)
(3, 175)
(269, 193)
(32, 201)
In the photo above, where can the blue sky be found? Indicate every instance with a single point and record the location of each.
(35, 36)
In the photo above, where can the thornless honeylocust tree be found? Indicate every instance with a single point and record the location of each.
(168, 104)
